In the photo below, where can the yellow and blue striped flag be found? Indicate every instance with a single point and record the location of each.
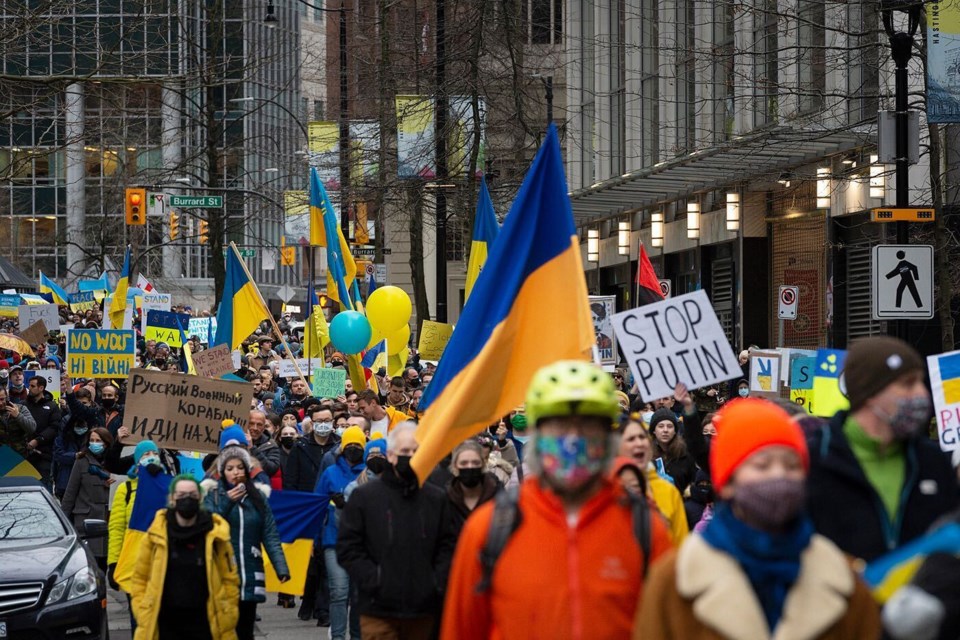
(241, 308)
(316, 333)
(50, 287)
(150, 497)
(118, 305)
(299, 517)
(887, 574)
(341, 268)
(485, 232)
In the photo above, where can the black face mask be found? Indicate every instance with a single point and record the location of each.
(287, 441)
(376, 464)
(702, 492)
(188, 506)
(108, 403)
(353, 454)
(471, 477)
(404, 470)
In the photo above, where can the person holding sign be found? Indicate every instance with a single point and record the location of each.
(669, 447)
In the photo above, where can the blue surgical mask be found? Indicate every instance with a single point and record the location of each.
(80, 430)
(96, 448)
(647, 417)
(744, 392)
(340, 431)
(147, 461)
(522, 439)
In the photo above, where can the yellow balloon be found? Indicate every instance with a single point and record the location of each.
(388, 309)
(397, 341)
(375, 337)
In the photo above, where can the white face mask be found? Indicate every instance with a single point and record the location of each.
(323, 428)
(647, 417)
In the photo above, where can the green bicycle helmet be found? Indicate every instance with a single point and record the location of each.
(571, 388)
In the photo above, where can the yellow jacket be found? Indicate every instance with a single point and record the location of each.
(223, 582)
(120, 518)
(670, 503)
(396, 417)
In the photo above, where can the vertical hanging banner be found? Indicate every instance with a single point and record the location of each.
(943, 45)
(364, 151)
(416, 151)
(324, 150)
(296, 219)
(462, 136)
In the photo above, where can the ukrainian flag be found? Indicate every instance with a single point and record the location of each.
(374, 354)
(118, 304)
(950, 376)
(341, 268)
(151, 496)
(12, 464)
(299, 516)
(53, 289)
(887, 574)
(529, 308)
(485, 231)
(241, 308)
(316, 333)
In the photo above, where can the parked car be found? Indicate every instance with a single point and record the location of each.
(50, 585)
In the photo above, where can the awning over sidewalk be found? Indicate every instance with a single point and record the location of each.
(758, 155)
(13, 278)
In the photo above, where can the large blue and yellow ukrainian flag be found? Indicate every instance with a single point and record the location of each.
(485, 231)
(887, 574)
(299, 516)
(12, 464)
(529, 308)
(241, 308)
(151, 496)
(56, 291)
(341, 268)
(118, 304)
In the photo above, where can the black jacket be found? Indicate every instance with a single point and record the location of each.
(267, 451)
(303, 463)
(46, 413)
(396, 541)
(458, 507)
(848, 510)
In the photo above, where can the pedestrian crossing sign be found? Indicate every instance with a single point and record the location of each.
(902, 282)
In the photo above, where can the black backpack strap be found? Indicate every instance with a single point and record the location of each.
(506, 519)
(129, 492)
(641, 527)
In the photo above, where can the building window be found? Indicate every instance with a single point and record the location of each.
(618, 89)
(812, 58)
(766, 65)
(723, 57)
(863, 67)
(686, 77)
(649, 82)
(318, 109)
(545, 18)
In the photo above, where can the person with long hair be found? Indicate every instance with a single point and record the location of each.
(88, 489)
(471, 485)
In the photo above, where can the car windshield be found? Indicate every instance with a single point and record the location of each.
(28, 515)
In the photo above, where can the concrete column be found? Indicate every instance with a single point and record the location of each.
(76, 182)
(170, 140)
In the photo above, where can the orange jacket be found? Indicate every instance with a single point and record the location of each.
(552, 580)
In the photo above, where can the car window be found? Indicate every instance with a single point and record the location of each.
(28, 515)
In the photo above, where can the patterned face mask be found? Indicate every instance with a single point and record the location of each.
(571, 462)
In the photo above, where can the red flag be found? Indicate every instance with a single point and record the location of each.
(648, 285)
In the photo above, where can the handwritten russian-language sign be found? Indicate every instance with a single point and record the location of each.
(329, 383)
(434, 337)
(945, 385)
(214, 362)
(677, 340)
(182, 412)
(100, 353)
(164, 326)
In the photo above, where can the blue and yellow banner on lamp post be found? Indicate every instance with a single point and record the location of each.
(943, 62)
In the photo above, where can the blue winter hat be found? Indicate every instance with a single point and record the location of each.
(144, 446)
(375, 446)
(233, 435)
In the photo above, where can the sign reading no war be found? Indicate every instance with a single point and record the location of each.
(100, 353)
(677, 340)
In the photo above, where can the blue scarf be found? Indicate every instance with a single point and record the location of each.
(770, 560)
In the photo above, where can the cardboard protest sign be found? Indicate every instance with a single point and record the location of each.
(154, 302)
(804, 398)
(100, 353)
(602, 309)
(214, 362)
(9, 305)
(765, 374)
(31, 313)
(35, 333)
(329, 383)
(203, 328)
(829, 398)
(178, 411)
(434, 337)
(164, 326)
(945, 385)
(677, 340)
(285, 368)
(82, 301)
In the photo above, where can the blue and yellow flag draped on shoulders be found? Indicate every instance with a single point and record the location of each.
(341, 268)
(528, 308)
(299, 516)
(241, 308)
(55, 291)
(149, 497)
(485, 232)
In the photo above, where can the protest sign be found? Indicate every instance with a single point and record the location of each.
(164, 326)
(214, 362)
(285, 368)
(434, 337)
(82, 301)
(154, 302)
(945, 385)
(52, 376)
(801, 373)
(329, 383)
(32, 298)
(826, 383)
(182, 412)
(677, 340)
(9, 305)
(765, 374)
(203, 328)
(804, 398)
(30, 313)
(601, 309)
(35, 333)
(100, 353)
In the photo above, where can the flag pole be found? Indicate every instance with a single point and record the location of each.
(309, 331)
(636, 280)
(243, 265)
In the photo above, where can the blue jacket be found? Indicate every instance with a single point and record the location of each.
(335, 480)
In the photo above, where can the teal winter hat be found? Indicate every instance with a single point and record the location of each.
(144, 446)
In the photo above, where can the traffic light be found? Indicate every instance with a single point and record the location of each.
(174, 225)
(204, 234)
(135, 201)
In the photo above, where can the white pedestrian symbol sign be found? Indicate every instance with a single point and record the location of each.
(902, 281)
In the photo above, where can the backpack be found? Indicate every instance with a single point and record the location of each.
(507, 518)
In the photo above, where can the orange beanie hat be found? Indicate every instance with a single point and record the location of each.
(746, 426)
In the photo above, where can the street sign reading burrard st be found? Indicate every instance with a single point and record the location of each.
(200, 202)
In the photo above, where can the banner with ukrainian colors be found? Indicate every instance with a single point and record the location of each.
(462, 135)
(296, 219)
(416, 151)
(943, 61)
(364, 150)
(324, 150)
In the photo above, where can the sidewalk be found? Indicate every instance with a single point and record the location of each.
(277, 623)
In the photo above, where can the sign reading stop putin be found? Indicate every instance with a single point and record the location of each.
(787, 302)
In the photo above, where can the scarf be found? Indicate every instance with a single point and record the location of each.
(770, 560)
(198, 529)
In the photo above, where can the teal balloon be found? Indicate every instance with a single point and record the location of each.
(350, 332)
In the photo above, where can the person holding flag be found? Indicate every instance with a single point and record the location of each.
(118, 304)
